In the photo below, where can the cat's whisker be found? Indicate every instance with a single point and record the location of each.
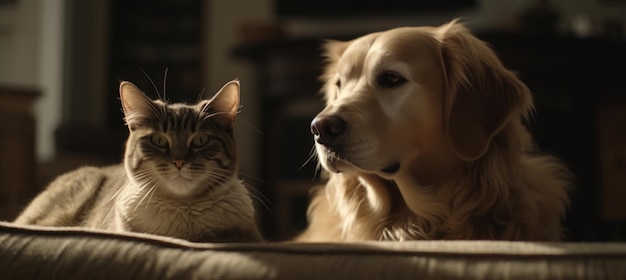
(206, 117)
(220, 172)
(159, 111)
(106, 217)
(216, 178)
(205, 109)
(153, 85)
(201, 95)
(257, 194)
(163, 113)
(115, 195)
(111, 209)
(144, 181)
(145, 194)
(253, 178)
(151, 192)
(165, 83)
(261, 198)
(251, 126)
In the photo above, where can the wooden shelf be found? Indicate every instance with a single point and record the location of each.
(17, 150)
(149, 37)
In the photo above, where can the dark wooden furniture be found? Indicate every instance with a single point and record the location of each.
(574, 81)
(17, 149)
(149, 38)
(287, 80)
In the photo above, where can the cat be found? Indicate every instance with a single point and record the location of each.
(178, 177)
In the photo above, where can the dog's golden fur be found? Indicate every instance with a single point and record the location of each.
(423, 137)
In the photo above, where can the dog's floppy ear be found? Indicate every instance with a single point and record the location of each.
(481, 96)
(332, 52)
(334, 49)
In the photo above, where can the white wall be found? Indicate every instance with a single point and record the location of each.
(50, 75)
(26, 43)
(7, 32)
(31, 41)
(19, 43)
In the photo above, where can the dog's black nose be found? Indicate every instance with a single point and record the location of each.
(327, 129)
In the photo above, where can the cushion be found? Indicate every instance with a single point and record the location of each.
(28, 252)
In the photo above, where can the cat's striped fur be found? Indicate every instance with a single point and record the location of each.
(178, 177)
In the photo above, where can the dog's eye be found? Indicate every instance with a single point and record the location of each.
(390, 79)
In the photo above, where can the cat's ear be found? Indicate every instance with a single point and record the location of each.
(135, 103)
(226, 100)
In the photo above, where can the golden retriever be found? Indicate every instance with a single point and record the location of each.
(423, 138)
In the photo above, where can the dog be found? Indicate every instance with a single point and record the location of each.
(424, 137)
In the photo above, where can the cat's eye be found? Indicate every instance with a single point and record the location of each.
(159, 140)
(200, 141)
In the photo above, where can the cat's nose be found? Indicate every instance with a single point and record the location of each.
(179, 163)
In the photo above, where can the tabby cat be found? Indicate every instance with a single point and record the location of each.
(178, 177)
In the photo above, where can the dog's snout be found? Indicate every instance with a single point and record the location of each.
(327, 129)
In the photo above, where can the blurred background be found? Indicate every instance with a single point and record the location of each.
(61, 62)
